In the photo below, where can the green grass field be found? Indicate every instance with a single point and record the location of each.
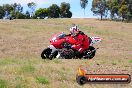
(22, 41)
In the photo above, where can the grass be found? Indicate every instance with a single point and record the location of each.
(113, 63)
(28, 68)
(22, 41)
(42, 80)
(8, 61)
(130, 61)
(62, 76)
(21, 86)
(3, 83)
(57, 61)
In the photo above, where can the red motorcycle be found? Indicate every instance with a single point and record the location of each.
(60, 47)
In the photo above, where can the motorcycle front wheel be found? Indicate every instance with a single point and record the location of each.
(90, 53)
(46, 53)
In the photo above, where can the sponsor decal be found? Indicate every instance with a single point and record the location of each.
(83, 77)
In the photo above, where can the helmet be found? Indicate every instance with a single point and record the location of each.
(74, 30)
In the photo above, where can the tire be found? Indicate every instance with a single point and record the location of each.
(92, 54)
(53, 55)
(81, 80)
(46, 53)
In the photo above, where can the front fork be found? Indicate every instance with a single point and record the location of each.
(93, 50)
(52, 48)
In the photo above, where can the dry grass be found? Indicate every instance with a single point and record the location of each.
(22, 41)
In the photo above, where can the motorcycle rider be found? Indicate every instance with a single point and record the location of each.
(78, 40)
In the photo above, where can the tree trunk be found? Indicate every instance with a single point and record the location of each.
(101, 16)
(84, 12)
(122, 17)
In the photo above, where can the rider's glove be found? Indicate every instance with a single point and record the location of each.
(67, 45)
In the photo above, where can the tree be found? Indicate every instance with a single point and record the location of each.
(53, 11)
(17, 8)
(83, 4)
(7, 9)
(130, 6)
(129, 14)
(123, 10)
(120, 8)
(20, 15)
(16, 11)
(41, 13)
(69, 15)
(99, 8)
(113, 7)
(65, 10)
(32, 7)
(1, 12)
(27, 14)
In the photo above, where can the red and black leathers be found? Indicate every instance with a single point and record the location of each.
(80, 42)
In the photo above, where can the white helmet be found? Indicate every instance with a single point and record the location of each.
(74, 30)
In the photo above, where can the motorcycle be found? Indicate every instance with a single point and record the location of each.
(61, 48)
